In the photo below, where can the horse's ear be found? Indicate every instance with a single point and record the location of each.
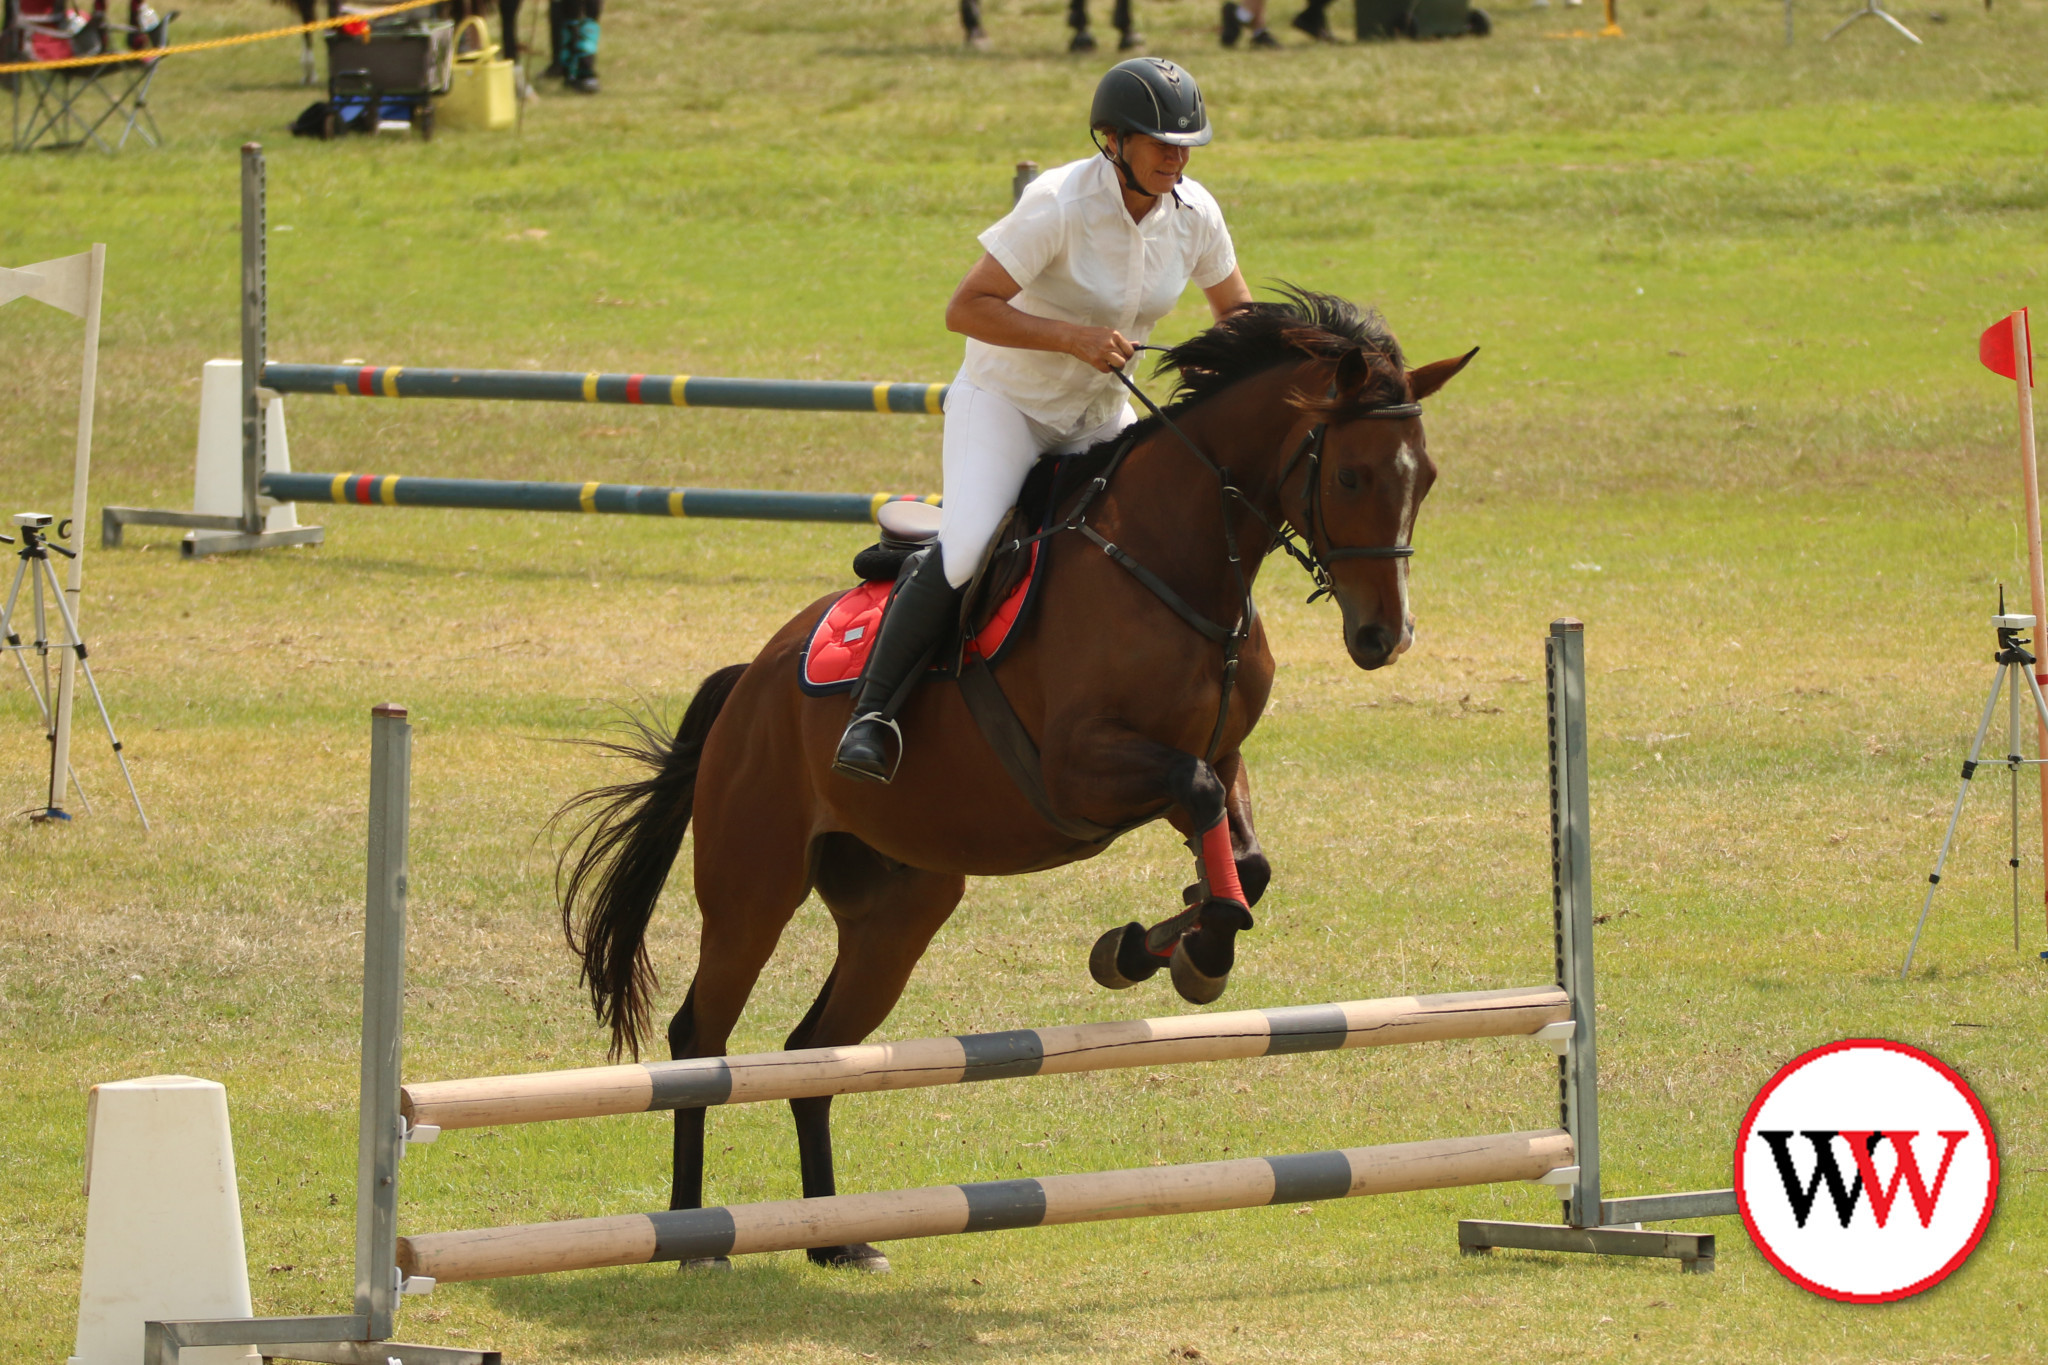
(1427, 379)
(1350, 375)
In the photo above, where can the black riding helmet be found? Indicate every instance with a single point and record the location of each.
(1153, 96)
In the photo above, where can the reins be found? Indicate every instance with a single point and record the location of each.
(1314, 561)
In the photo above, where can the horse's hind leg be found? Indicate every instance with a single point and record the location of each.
(744, 911)
(887, 914)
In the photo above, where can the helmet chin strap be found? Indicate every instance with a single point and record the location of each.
(1123, 169)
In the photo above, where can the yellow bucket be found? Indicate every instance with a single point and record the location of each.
(480, 92)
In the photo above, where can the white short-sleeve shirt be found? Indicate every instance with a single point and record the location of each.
(1071, 244)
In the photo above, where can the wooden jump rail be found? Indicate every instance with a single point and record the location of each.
(895, 1215)
(393, 1116)
(636, 1088)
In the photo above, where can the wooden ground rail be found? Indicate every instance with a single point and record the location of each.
(940, 1211)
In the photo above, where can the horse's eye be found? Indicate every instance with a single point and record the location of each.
(1347, 478)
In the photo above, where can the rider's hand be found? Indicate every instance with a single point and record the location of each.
(1104, 348)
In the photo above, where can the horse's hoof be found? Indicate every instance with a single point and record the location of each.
(861, 1256)
(1195, 986)
(1119, 959)
(1254, 874)
(705, 1263)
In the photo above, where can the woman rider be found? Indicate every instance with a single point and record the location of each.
(1072, 282)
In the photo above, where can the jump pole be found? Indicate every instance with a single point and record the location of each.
(792, 1224)
(637, 390)
(640, 1087)
(622, 499)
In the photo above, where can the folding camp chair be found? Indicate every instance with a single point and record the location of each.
(69, 107)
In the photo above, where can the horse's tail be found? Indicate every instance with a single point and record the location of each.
(631, 832)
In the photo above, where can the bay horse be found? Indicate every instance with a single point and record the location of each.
(1306, 417)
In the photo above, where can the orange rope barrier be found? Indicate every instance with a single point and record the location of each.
(150, 54)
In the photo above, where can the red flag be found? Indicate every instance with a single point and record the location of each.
(1994, 348)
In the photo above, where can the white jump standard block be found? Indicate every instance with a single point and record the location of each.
(217, 469)
(163, 1223)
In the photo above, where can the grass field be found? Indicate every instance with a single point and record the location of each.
(1728, 412)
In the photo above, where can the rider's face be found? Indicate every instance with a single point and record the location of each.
(1154, 164)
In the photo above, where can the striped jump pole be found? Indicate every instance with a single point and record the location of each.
(639, 1087)
(896, 1215)
(568, 386)
(624, 499)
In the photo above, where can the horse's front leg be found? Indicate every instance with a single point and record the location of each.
(1253, 871)
(1200, 941)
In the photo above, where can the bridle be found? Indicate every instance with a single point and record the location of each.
(1315, 560)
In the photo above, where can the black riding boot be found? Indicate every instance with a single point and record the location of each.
(918, 618)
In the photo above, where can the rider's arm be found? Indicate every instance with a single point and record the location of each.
(1228, 294)
(981, 308)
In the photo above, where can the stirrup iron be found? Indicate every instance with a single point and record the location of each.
(862, 774)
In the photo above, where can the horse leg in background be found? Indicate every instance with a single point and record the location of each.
(1077, 20)
(1128, 39)
(970, 24)
(1200, 942)
(744, 916)
(886, 913)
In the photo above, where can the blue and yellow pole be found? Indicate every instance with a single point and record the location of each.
(623, 499)
(658, 390)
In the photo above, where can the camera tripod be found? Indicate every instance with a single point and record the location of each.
(2015, 670)
(36, 570)
(1872, 9)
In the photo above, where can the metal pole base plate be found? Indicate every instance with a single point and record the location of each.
(337, 1340)
(112, 519)
(198, 547)
(1694, 1251)
(378, 1353)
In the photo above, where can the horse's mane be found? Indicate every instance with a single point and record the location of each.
(1301, 323)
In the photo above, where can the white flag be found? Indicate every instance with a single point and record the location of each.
(60, 283)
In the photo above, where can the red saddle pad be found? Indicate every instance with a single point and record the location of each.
(839, 643)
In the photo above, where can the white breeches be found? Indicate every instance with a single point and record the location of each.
(990, 447)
